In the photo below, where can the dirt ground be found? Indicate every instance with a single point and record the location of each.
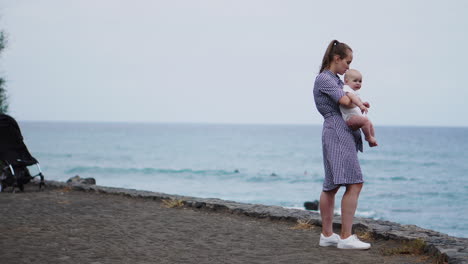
(65, 226)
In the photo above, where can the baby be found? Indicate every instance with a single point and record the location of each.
(355, 117)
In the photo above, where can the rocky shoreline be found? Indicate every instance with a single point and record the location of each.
(443, 247)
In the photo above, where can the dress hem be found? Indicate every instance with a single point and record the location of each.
(339, 185)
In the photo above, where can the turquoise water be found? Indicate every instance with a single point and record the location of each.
(418, 175)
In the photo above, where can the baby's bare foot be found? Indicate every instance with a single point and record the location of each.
(372, 142)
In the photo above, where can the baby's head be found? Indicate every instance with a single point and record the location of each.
(353, 79)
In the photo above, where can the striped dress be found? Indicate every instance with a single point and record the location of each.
(340, 144)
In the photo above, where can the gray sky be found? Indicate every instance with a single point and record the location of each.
(243, 61)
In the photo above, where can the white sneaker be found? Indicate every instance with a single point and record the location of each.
(329, 241)
(352, 242)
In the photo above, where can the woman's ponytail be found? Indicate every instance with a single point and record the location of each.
(334, 48)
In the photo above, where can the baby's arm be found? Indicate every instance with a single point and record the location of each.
(357, 101)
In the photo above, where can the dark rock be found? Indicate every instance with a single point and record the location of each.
(88, 181)
(78, 180)
(199, 204)
(311, 205)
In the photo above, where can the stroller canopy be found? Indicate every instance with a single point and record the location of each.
(12, 148)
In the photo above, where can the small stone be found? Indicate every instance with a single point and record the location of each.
(311, 205)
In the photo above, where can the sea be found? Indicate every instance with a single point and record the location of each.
(417, 175)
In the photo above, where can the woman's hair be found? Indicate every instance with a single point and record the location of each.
(334, 48)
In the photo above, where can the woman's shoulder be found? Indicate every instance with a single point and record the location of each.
(326, 77)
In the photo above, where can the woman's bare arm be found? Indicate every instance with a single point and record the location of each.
(351, 101)
(346, 102)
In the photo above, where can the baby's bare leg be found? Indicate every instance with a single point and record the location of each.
(372, 129)
(356, 122)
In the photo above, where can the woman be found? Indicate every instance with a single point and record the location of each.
(340, 145)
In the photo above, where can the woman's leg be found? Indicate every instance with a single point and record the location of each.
(348, 208)
(327, 205)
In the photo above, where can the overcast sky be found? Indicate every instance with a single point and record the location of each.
(231, 61)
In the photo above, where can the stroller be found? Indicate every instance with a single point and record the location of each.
(15, 157)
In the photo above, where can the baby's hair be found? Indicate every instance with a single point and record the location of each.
(334, 48)
(350, 72)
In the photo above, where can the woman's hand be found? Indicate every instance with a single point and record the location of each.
(366, 104)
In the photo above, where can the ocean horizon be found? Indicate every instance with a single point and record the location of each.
(417, 175)
(221, 123)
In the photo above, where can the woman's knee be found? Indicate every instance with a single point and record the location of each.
(355, 187)
(332, 192)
